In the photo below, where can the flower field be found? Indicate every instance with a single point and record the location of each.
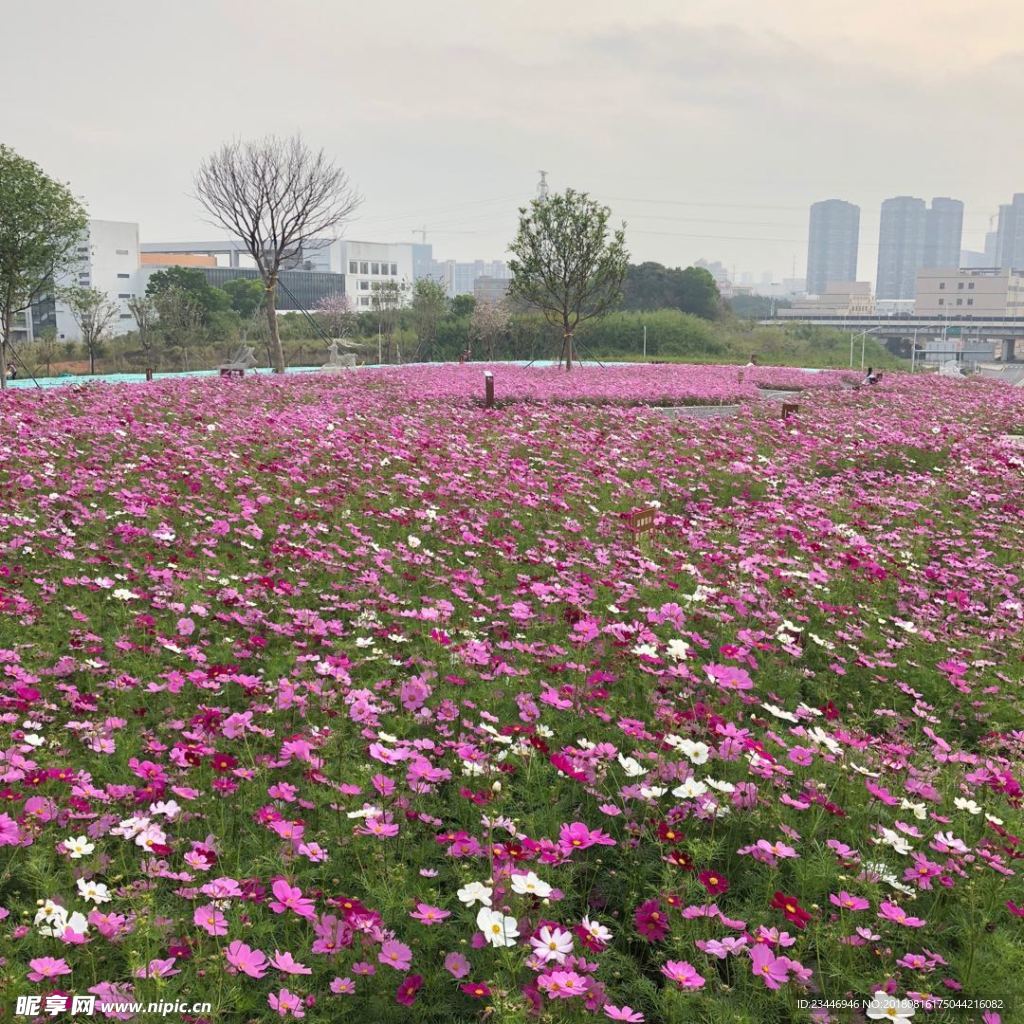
(341, 698)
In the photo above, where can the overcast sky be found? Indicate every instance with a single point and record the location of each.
(708, 127)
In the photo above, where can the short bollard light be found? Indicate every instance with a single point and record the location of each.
(488, 389)
(789, 409)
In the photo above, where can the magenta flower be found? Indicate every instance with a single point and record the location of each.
(651, 921)
(577, 836)
(45, 967)
(406, 994)
(243, 958)
(343, 986)
(683, 974)
(395, 954)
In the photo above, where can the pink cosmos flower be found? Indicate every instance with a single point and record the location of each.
(289, 897)
(428, 915)
(683, 974)
(10, 833)
(893, 912)
(45, 967)
(395, 954)
(728, 677)
(562, 984)
(771, 970)
(245, 959)
(287, 964)
(158, 969)
(287, 1004)
(847, 901)
(456, 965)
(343, 986)
(211, 920)
(626, 1013)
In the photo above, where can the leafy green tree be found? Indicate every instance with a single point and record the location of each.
(144, 314)
(490, 324)
(654, 286)
(180, 319)
(192, 280)
(41, 223)
(567, 263)
(246, 296)
(387, 299)
(462, 305)
(429, 305)
(95, 314)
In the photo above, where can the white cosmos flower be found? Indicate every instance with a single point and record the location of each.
(95, 891)
(894, 840)
(646, 650)
(919, 811)
(498, 929)
(50, 919)
(966, 805)
(631, 766)
(170, 809)
(77, 923)
(695, 751)
(718, 784)
(78, 847)
(413, 541)
(678, 650)
(778, 712)
(653, 792)
(530, 884)
(551, 944)
(597, 930)
(122, 594)
(691, 789)
(474, 892)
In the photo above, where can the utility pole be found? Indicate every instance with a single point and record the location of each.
(645, 341)
(542, 186)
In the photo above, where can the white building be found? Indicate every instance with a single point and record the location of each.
(369, 264)
(107, 259)
(975, 292)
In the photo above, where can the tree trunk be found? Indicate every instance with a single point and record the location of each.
(276, 352)
(92, 362)
(5, 330)
(567, 346)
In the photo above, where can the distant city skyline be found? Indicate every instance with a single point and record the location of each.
(709, 130)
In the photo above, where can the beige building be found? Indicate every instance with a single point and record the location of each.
(974, 292)
(840, 298)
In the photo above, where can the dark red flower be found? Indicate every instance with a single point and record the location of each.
(651, 921)
(715, 883)
(669, 833)
(476, 989)
(406, 994)
(791, 909)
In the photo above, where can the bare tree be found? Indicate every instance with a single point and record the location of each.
(276, 195)
(338, 316)
(490, 322)
(387, 299)
(94, 313)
